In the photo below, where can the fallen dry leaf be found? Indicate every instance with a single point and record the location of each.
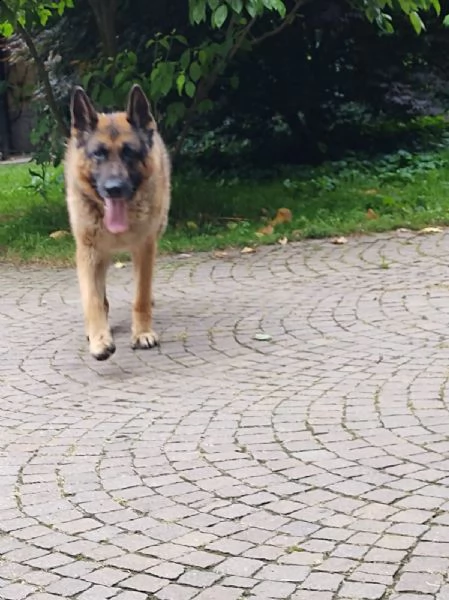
(184, 255)
(370, 214)
(267, 230)
(402, 230)
(371, 192)
(57, 235)
(119, 265)
(283, 241)
(430, 230)
(192, 225)
(247, 250)
(283, 215)
(339, 240)
(262, 337)
(219, 254)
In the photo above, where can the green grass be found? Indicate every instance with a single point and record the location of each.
(403, 190)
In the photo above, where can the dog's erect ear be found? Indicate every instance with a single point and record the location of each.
(83, 114)
(138, 110)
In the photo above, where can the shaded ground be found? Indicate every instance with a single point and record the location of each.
(311, 466)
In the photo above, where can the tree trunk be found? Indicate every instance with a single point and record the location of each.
(105, 12)
(41, 71)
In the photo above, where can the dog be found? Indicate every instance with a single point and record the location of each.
(117, 176)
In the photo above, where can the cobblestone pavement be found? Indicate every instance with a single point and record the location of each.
(312, 466)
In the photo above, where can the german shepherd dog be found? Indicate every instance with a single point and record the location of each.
(117, 175)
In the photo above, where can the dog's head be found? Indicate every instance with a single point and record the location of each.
(115, 148)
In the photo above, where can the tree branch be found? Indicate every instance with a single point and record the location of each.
(285, 23)
(45, 80)
(206, 85)
(105, 17)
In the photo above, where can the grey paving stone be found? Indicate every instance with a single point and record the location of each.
(283, 573)
(66, 586)
(362, 591)
(16, 591)
(323, 581)
(200, 579)
(274, 589)
(245, 583)
(167, 570)
(174, 591)
(106, 576)
(144, 583)
(219, 592)
(98, 592)
(427, 583)
(239, 566)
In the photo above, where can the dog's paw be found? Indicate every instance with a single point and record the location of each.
(145, 340)
(102, 346)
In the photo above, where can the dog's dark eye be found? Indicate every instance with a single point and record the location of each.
(100, 153)
(129, 153)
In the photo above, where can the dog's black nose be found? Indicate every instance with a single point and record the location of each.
(116, 188)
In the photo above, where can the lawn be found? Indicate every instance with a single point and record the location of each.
(213, 213)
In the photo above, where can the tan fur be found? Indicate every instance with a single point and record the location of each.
(148, 213)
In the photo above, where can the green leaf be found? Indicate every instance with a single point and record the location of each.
(437, 6)
(278, 6)
(205, 106)
(131, 57)
(155, 73)
(405, 6)
(190, 89)
(416, 21)
(446, 21)
(185, 59)
(195, 71)
(234, 81)
(197, 11)
(167, 77)
(85, 79)
(164, 43)
(213, 4)
(180, 81)
(219, 16)
(387, 27)
(162, 78)
(44, 15)
(181, 39)
(175, 112)
(236, 5)
(6, 29)
(120, 78)
(257, 7)
(96, 91)
(106, 97)
(202, 57)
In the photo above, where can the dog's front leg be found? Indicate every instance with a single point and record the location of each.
(92, 269)
(143, 335)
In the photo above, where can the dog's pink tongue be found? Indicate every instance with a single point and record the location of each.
(115, 215)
